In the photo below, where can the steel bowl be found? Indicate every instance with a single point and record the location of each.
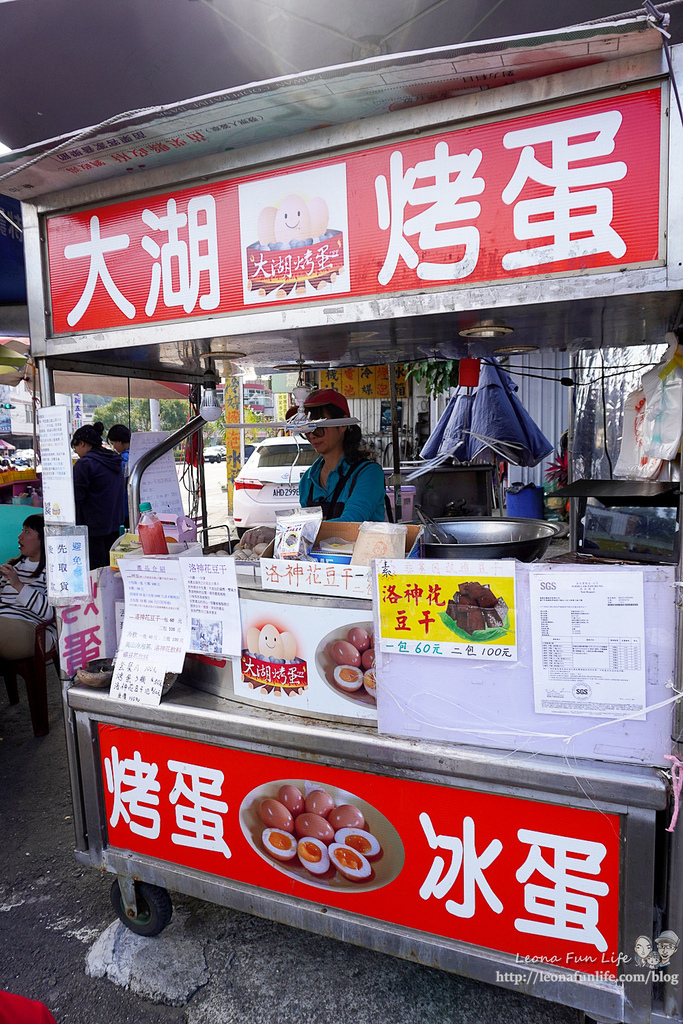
(493, 537)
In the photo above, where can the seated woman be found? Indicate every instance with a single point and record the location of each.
(23, 594)
(345, 480)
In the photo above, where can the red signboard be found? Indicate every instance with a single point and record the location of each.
(566, 190)
(536, 880)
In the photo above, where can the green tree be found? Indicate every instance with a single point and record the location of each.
(173, 412)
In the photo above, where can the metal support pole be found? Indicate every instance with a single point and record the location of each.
(396, 477)
(47, 383)
(196, 423)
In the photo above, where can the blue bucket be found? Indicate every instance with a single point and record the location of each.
(525, 504)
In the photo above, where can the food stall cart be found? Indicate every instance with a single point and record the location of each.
(543, 865)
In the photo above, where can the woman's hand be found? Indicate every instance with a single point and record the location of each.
(12, 577)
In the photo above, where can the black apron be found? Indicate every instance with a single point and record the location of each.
(332, 507)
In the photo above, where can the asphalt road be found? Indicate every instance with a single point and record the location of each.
(62, 943)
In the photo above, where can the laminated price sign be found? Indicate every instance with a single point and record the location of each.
(452, 609)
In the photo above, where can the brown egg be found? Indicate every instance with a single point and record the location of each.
(359, 637)
(314, 827)
(291, 797)
(319, 802)
(344, 653)
(275, 815)
(346, 816)
(368, 659)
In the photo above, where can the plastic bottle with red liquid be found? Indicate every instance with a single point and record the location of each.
(151, 532)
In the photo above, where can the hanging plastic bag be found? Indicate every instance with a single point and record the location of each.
(632, 463)
(663, 387)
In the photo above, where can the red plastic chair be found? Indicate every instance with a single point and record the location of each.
(34, 673)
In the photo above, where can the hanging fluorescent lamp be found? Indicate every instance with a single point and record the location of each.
(486, 329)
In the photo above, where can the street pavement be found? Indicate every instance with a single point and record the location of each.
(62, 943)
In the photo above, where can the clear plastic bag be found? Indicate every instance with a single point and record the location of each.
(295, 532)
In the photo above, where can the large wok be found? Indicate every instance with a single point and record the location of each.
(492, 537)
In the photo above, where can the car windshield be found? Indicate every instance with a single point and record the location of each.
(275, 456)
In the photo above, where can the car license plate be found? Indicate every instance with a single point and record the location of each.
(287, 491)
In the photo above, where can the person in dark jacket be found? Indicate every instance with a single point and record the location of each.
(100, 491)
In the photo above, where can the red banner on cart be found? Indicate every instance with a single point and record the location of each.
(566, 190)
(536, 880)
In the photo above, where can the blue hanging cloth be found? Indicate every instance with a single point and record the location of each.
(489, 418)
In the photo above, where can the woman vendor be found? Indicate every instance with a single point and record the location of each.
(23, 594)
(345, 481)
(100, 491)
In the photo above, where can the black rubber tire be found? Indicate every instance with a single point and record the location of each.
(241, 530)
(154, 908)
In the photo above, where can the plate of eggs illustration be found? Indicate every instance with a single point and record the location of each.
(321, 835)
(345, 659)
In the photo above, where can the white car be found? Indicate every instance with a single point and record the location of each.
(269, 481)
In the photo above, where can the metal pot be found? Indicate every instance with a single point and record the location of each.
(493, 537)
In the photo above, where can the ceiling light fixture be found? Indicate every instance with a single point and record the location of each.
(486, 329)
(515, 350)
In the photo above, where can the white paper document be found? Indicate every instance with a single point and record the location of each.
(159, 484)
(155, 632)
(56, 466)
(588, 638)
(213, 605)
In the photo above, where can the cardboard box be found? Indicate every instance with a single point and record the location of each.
(298, 577)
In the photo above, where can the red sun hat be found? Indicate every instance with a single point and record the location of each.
(327, 396)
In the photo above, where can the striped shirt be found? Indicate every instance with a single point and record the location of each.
(29, 603)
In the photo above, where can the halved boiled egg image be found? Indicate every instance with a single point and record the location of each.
(313, 855)
(349, 863)
(359, 840)
(348, 677)
(370, 682)
(279, 844)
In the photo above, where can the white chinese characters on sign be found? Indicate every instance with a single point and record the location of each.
(576, 216)
(133, 783)
(134, 786)
(188, 261)
(200, 816)
(444, 208)
(463, 854)
(567, 909)
(175, 260)
(569, 906)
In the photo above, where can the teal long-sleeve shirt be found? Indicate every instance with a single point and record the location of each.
(363, 503)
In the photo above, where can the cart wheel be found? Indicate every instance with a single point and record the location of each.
(154, 908)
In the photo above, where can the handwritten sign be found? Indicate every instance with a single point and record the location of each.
(213, 605)
(67, 564)
(59, 505)
(154, 637)
(452, 609)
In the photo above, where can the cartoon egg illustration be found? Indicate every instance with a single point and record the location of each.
(359, 840)
(349, 863)
(280, 845)
(313, 855)
(348, 678)
(346, 816)
(370, 682)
